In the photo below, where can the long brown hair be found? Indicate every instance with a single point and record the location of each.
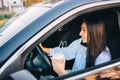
(96, 35)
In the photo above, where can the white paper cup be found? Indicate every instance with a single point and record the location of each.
(58, 57)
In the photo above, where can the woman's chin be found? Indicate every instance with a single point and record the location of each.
(84, 41)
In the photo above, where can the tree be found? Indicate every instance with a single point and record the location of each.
(30, 2)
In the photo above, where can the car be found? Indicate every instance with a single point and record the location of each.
(54, 23)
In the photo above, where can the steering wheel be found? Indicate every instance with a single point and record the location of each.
(39, 63)
(38, 60)
(41, 60)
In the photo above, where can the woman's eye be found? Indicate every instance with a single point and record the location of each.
(84, 30)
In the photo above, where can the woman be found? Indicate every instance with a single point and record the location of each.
(89, 50)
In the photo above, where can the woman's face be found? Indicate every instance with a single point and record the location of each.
(83, 32)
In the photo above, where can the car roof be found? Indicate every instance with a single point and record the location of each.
(16, 35)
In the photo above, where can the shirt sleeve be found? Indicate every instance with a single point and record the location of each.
(103, 57)
(69, 52)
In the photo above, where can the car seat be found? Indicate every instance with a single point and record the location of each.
(71, 34)
(113, 33)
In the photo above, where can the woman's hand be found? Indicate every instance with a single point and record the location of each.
(41, 46)
(58, 67)
(46, 50)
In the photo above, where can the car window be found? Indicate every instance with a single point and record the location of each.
(69, 32)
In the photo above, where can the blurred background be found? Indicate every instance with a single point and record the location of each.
(8, 8)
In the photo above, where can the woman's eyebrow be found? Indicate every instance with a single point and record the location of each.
(83, 27)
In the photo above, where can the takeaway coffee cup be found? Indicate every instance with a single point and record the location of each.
(58, 57)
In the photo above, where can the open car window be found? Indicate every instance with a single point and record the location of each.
(69, 32)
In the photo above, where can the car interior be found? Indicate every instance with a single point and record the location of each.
(38, 63)
(70, 31)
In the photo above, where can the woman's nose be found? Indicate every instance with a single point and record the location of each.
(80, 34)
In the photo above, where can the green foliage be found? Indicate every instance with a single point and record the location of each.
(1, 17)
(6, 15)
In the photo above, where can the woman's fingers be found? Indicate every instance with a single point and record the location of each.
(59, 67)
(63, 59)
(54, 61)
(40, 45)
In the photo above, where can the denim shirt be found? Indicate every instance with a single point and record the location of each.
(78, 52)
